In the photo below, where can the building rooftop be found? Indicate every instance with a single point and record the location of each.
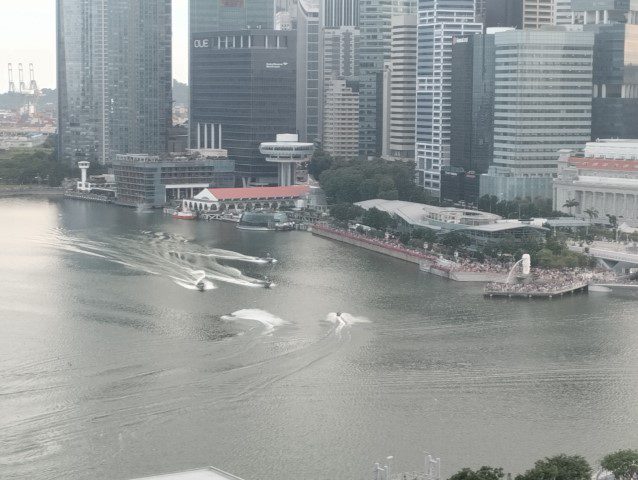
(253, 193)
(209, 473)
(430, 216)
(503, 227)
(597, 163)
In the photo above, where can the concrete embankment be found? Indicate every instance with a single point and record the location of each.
(18, 191)
(427, 263)
(363, 244)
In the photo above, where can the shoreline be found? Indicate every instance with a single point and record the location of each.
(25, 191)
(426, 263)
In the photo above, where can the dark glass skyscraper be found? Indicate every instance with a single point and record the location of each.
(217, 15)
(243, 93)
(114, 78)
(472, 112)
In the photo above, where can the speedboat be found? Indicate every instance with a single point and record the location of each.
(185, 214)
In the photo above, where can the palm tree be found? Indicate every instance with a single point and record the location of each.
(591, 213)
(571, 203)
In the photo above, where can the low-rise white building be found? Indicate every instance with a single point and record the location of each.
(604, 180)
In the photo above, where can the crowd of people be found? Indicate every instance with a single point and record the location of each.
(544, 281)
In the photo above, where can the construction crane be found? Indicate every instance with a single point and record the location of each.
(12, 85)
(33, 86)
(22, 85)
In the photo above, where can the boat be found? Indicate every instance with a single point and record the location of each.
(184, 214)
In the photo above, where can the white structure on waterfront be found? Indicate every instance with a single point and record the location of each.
(539, 108)
(399, 100)
(604, 180)
(287, 152)
(440, 21)
(218, 200)
(83, 185)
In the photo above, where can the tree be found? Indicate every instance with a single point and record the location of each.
(613, 221)
(560, 467)
(483, 473)
(320, 161)
(376, 218)
(571, 203)
(591, 213)
(623, 464)
(346, 211)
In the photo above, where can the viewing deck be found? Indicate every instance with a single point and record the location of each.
(533, 291)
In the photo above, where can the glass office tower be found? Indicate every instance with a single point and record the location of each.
(216, 15)
(242, 94)
(114, 78)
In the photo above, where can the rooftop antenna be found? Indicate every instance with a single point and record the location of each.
(12, 85)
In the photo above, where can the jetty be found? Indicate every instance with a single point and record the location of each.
(531, 290)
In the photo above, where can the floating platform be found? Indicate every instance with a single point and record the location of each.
(557, 293)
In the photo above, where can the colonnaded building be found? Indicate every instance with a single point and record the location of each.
(604, 180)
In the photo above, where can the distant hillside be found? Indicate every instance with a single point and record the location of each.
(180, 93)
(48, 100)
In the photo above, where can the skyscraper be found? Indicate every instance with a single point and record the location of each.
(472, 107)
(615, 93)
(440, 22)
(375, 18)
(340, 87)
(400, 99)
(562, 12)
(114, 78)
(242, 94)
(339, 13)
(216, 15)
(308, 70)
(540, 107)
(537, 13)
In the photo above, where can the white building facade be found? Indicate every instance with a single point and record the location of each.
(540, 107)
(400, 90)
(440, 21)
(604, 181)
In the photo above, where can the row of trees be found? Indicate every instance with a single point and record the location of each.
(623, 464)
(27, 167)
(350, 181)
(520, 208)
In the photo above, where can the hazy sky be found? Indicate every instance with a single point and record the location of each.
(27, 35)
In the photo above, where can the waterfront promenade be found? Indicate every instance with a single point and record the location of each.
(462, 270)
(7, 191)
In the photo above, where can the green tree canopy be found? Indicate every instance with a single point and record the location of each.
(623, 463)
(559, 467)
(483, 473)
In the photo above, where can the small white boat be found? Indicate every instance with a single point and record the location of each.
(185, 214)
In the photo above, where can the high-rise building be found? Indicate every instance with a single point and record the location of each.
(339, 95)
(400, 90)
(540, 107)
(341, 118)
(440, 22)
(375, 24)
(308, 70)
(562, 12)
(114, 78)
(242, 89)
(502, 13)
(339, 13)
(472, 108)
(207, 16)
(615, 93)
(537, 13)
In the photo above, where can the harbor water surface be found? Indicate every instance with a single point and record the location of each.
(113, 365)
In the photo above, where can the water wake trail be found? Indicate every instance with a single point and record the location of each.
(267, 319)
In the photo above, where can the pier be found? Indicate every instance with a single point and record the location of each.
(533, 291)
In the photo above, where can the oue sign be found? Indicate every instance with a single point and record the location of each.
(201, 43)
